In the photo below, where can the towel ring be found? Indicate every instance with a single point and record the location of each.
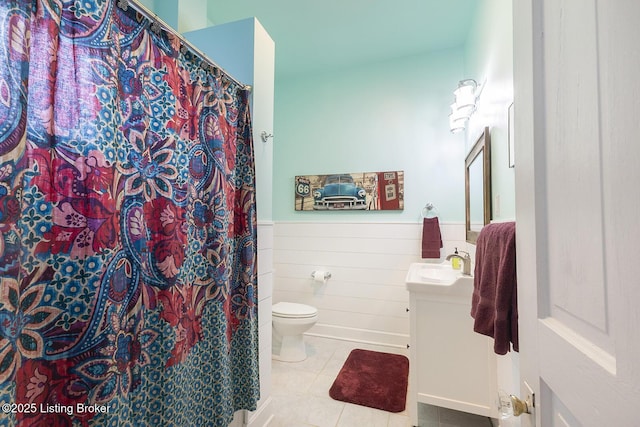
(429, 211)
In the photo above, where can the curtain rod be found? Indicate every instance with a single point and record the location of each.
(157, 24)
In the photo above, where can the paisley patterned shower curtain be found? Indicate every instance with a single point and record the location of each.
(127, 225)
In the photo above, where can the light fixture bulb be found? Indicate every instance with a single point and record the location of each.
(466, 94)
(466, 110)
(464, 104)
(456, 122)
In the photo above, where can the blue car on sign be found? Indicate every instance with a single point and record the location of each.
(339, 193)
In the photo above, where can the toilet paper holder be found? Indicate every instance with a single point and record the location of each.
(327, 275)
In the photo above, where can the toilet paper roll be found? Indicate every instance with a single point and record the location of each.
(320, 276)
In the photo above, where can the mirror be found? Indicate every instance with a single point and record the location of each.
(478, 186)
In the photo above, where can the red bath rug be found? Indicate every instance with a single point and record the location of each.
(374, 379)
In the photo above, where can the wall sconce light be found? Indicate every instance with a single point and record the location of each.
(464, 105)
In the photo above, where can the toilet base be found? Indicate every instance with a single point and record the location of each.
(289, 348)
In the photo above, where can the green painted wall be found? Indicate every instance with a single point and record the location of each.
(390, 115)
(167, 10)
(489, 58)
(181, 15)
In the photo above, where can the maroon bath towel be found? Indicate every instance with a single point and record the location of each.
(494, 304)
(431, 238)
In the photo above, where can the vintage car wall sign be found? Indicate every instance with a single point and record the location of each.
(370, 191)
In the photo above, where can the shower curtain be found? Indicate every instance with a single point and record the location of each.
(128, 227)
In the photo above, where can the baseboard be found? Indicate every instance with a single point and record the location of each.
(262, 416)
(365, 336)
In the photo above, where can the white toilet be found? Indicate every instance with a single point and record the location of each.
(290, 320)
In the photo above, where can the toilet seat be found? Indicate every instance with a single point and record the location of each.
(292, 310)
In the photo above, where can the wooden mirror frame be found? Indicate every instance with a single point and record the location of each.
(481, 147)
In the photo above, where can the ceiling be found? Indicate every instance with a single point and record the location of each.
(330, 34)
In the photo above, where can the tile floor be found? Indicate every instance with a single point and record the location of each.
(300, 394)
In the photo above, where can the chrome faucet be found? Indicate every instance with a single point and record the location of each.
(466, 262)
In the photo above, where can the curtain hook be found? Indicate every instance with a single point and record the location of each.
(155, 28)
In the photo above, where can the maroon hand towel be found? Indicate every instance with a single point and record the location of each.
(494, 304)
(431, 238)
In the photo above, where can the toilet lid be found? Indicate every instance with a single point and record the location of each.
(292, 309)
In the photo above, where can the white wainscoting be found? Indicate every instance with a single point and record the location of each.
(263, 414)
(365, 299)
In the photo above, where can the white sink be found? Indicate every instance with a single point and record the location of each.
(427, 277)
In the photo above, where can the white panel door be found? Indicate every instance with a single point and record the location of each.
(577, 112)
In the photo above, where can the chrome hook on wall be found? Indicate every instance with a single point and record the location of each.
(429, 211)
(265, 136)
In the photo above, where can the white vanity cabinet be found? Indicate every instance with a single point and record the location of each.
(451, 366)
